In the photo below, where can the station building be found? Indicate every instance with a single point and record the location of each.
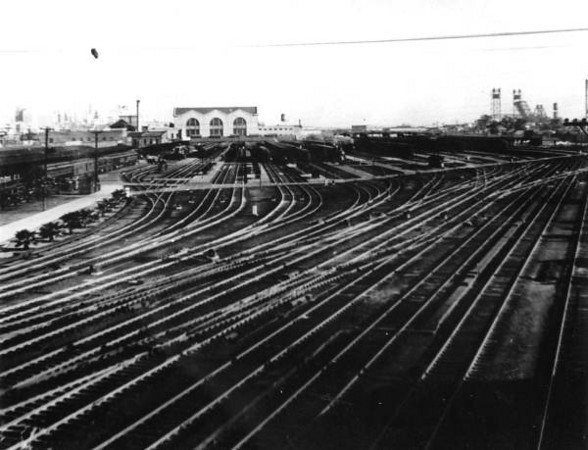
(216, 122)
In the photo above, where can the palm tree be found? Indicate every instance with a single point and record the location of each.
(85, 216)
(119, 195)
(72, 220)
(49, 231)
(24, 238)
(103, 207)
(94, 216)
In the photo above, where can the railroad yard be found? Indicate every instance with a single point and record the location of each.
(234, 300)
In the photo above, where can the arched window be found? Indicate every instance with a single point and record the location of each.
(192, 128)
(240, 127)
(216, 127)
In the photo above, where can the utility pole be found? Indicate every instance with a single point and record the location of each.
(96, 179)
(586, 99)
(138, 129)
(44, 182)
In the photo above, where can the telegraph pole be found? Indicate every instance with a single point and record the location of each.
(44, 185)
(138, 129)
(96, 179)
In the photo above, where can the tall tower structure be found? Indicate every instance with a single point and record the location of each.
(555, 111)
(540, 111)
(496, 105)
(516, 98)
(520, 107)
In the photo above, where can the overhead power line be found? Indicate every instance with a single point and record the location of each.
(429, 38)
(307, 44)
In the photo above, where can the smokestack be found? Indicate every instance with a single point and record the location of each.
(555, 112)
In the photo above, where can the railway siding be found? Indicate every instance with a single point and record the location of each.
(397, 303)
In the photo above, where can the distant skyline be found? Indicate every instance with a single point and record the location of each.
(185, 53)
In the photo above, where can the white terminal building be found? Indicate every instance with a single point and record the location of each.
(216, 121)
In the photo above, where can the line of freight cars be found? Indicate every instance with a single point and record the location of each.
(281, 153)
(405, 146)
(68, 170)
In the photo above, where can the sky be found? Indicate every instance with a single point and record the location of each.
(179, 53)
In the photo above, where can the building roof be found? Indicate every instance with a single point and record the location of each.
(224, 109)
(281, 125)
(122, 124)
(146, 134)
(13, 156)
